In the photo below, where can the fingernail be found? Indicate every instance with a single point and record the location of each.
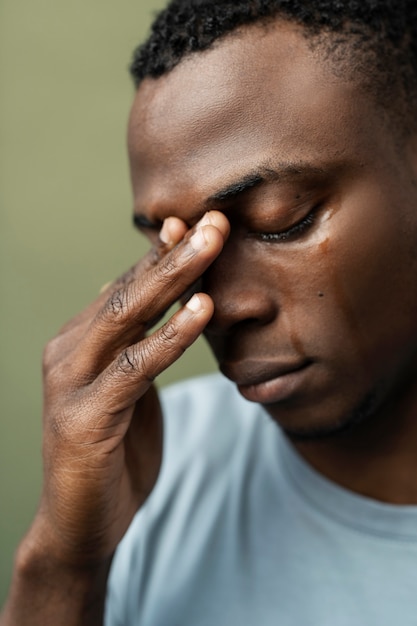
(105, 286)
(194, 303)
(164, 234)
(198, 241)
(206, 219)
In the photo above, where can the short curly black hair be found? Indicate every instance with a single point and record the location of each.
(374, 39)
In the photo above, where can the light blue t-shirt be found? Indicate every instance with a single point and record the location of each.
(240, 531)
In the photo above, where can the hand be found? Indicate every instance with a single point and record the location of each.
(102, 421)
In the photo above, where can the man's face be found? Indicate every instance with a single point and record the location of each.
(315, 292)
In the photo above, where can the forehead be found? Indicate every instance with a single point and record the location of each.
(259, 96)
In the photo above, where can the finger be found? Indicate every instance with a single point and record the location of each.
(130, 375)
(173, 230)
(105, 287)
(126, 315)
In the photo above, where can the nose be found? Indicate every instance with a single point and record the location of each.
(240, 290)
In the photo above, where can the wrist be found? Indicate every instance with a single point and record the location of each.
(38, 558)
(49, 590)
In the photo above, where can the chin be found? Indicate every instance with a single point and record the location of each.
(338, 424)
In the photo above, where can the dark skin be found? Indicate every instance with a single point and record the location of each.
(306, 292)
(318, 274)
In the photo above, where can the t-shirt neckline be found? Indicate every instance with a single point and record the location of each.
(346, 507)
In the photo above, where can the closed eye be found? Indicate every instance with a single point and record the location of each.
(293, 232)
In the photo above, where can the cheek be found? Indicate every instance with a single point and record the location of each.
(361, 271)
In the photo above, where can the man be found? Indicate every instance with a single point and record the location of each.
(273, 156)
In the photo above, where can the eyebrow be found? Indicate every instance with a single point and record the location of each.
(283, 172)
(237, 187)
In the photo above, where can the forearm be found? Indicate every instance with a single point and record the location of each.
(45, 592)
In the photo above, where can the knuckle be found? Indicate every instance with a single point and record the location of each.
(59, 426)
(57, 380)
(66, 377)
(134, 360)
(53, 377)
(164, 343)
(128, 361)
(169, 333)
(63, 368)
(118, 303)
(166, 268)
(50, 353)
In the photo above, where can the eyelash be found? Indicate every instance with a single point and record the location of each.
(292, 232)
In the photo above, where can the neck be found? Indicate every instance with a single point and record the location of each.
(377, 458)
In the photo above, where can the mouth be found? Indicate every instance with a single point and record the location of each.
(267, 382)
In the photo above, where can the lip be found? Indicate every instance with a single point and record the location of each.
(267, 382)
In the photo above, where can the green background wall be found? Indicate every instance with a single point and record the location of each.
(65, 207)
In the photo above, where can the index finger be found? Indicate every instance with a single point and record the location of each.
(173, 230)
(126, 315)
